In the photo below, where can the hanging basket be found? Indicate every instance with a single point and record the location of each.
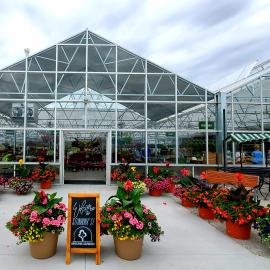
(239, 232)
(46, 248)
(128, 249)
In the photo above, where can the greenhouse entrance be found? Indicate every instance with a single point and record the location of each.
(85, 157)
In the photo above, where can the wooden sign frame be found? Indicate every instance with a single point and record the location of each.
(69, 249)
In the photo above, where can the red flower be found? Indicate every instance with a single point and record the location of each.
(123, 160)
(184, 172)
(23, 230)
(203, 175)
(167, 164)
(114, 175)
(128, 185)
(155, 170)
(239, 177)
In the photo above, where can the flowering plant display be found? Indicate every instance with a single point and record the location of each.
(236, 205)
(46, 213)
(22, 183)
(158, 179)
(124, 217)
(262, 225)
(43, 173)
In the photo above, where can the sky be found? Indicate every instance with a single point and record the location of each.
(201, 40)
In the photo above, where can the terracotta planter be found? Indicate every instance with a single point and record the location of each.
(187, 203)
(128, 249)
(46, 248)
(155, 192)
(239, 232)
(171, 188)
(206, 213)
(45, 184)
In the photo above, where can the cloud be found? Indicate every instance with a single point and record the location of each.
(200, 40)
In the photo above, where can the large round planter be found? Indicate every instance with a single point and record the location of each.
(128, 249)
(46, 184)
(46, 248)
(187, 203)
(239, 232)
(206, 213)
(171, 188)
(155, 192)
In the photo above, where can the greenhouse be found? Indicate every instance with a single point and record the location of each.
(87, 105)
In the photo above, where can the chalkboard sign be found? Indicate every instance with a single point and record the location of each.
(83, 232)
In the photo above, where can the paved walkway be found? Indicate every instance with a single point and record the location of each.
(188, 243)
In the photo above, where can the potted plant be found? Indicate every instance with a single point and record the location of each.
(44, 174)
(39, 223)
(21, 183)
(125, 218)
(168, 173)
(262, 225)
(157, 181)
(239, 209)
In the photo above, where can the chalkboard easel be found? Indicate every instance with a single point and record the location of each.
(83, 227)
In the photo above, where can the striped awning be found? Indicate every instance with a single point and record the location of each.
(249, 137)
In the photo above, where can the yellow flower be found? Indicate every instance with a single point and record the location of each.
(133, 169)
(21, 162)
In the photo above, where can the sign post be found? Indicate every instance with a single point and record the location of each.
(83, 227)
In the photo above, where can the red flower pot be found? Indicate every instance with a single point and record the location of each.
(187, 203)
(236, 231)
(155, 192)
(206, 213)
(45, 184)
(171, 188)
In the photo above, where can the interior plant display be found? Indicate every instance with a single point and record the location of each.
(125, 218)
(239, 209)
(262, 225)
(44, 174)
(22, 182)
(39, 223)
(157, 181)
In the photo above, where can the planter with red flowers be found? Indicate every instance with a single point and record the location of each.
(44, 174)
(239, 209)
(158, 180)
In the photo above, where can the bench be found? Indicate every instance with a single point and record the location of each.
(227, 178)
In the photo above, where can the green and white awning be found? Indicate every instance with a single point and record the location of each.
(248, 137)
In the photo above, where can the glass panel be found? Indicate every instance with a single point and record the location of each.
(101, 115)
(248, 93)
(191, 116)
(39, 143)
(128, 62)
(266, 89)
(113, 146)
(70, 115)
(161, 147)
(101, 87)
(131, 147)
(40, 114)
(78, 39)
(161, 115)
(71, 86)
(6, 171)
(11, 145)
(161, 87)
(19, 66)
(186, 91)
(131, 115)
(71, 58)
(41, 86)
(229, 116)
(95, 39)
(153, 68)
(247, 116)
(101, 58)
(213, 155)
(192, 147)
(130, 87)
(12, 85)
(266, 118)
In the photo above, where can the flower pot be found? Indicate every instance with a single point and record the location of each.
(206, 213)
(46, 248)
(187, 203)
(236, 231)
(171, 188)
(155, 192)
(128, 249)
(45, 184)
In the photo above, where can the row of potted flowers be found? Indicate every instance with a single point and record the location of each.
(236, 206)
(22, 182)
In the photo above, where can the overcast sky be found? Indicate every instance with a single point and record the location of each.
(201, 40)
